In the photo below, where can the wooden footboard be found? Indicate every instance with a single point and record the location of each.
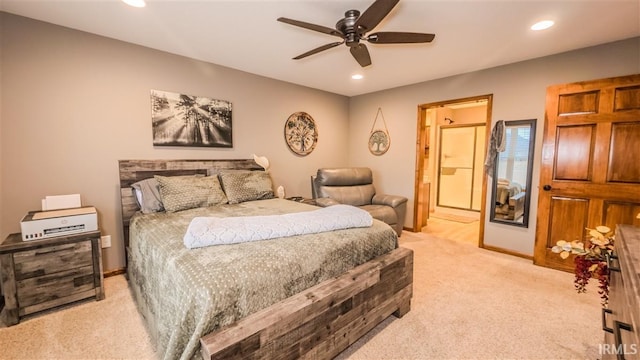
(321, 321)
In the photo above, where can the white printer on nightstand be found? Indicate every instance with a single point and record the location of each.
(49, 223)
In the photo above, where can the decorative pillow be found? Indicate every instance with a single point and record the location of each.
(148, 195)
(187, 192)
(246, 185)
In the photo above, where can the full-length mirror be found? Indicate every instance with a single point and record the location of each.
(511, 193)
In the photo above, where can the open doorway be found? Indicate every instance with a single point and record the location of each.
(450, 182)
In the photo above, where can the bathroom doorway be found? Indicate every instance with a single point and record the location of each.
(452, 141)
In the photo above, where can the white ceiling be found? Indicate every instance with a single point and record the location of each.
(244, 35)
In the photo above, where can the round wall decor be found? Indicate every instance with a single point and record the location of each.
(379, 142)
(301, 133)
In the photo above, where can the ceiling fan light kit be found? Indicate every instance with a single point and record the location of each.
(353, 28)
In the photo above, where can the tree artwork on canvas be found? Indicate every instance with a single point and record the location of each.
(187, 120)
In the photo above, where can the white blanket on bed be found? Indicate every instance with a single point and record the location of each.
(207, 231)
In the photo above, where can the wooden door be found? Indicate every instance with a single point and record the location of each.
(590, 171)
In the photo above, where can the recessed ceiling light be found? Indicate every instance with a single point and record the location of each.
(135, 3)
(357, 76)
(541, 25)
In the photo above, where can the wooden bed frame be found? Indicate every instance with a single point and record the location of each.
(319, 322)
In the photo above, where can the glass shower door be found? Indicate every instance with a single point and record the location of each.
(459, 167)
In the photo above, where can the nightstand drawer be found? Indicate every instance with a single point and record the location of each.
(53, 259)
(54, 286)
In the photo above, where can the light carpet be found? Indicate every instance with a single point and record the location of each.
(468, 303)
(454, 217)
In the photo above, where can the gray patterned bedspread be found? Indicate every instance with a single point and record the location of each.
(184, 294)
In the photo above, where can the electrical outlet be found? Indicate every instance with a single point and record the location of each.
(106, 241)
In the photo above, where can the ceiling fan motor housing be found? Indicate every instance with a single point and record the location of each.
(347, 27)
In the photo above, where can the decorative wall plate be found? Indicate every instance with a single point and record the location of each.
(301, 133)
(379, 142)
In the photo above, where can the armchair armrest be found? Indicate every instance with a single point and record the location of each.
(324, 202)
(397, 203)
(390, 200)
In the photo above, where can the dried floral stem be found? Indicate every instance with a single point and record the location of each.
(590, 261)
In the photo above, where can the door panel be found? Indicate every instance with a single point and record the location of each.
(572, 215)
(621, 213)
(624, 157)
(579, 103)
(590, 170)
(627, 98)
(574, 152)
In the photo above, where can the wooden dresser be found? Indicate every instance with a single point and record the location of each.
(621, 321)
(41, 274)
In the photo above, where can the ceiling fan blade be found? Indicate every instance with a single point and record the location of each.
(399, 38)
(374, 14)
(361, 54)
(314, 27)
(318, 49)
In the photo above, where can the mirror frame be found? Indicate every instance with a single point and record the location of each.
(527, 198)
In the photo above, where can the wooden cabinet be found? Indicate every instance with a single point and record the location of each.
(621, 321)
(41, 274)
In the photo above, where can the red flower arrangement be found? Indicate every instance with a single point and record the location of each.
(591, 262)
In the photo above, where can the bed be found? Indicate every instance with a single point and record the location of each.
(309, 295)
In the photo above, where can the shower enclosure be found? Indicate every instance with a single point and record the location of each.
(460, 166)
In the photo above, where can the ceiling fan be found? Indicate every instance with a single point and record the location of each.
(353, 28)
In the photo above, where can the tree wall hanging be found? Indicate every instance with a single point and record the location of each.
(301, 133)
(379, 139)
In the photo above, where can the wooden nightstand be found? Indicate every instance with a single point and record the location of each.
(42, 274)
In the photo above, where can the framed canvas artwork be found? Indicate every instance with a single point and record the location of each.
(187, 120)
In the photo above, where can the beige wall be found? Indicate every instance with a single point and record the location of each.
(519, 93)
(470, 115)
(73, 104)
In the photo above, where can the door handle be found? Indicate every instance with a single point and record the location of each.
(546, 187)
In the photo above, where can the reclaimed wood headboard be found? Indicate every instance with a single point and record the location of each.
(132, 171)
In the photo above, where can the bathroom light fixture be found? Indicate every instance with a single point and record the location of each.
(541, 25)
(357, 76)
(135, 3)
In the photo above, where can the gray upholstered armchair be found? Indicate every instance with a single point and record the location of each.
(354, 186)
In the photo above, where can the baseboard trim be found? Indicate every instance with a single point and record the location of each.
(505, 251)
(114, 272)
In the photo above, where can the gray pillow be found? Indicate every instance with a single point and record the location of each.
(188, 192)
(246, 185)
(148, 195)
